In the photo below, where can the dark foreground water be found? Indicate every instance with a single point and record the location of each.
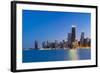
(55, 55)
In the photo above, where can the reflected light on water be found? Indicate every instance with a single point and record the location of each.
(56, 55)
(73, 54)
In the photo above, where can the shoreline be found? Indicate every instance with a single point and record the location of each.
(60, 48)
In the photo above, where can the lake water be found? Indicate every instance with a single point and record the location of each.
(55, 55)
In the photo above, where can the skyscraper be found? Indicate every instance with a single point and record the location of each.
(43, 44)
(82, 39)
(47, 44)
(73, 35)
(69, 40)
(69, 37)
(87, 42)
(36, 44)
(56, 44)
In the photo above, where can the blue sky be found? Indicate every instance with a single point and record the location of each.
(49, 25)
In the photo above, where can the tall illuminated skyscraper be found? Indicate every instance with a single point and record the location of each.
(73, 33)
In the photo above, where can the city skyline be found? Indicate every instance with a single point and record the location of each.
(70, 43)
(37, 25)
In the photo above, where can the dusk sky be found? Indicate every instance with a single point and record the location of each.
(51, 26)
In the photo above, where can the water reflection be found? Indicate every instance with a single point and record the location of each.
(73, 54)
(56, 55)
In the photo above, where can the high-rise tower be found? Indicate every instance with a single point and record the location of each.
(73, 34)
(82, 39)
(36, 44)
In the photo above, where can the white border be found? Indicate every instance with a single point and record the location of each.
(33, 65)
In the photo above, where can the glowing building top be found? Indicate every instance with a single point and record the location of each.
(73, 26)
